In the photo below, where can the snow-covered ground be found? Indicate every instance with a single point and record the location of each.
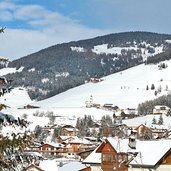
(62, 165)
(147, 120)
(104, 49)
(124, 89)
(16, 98)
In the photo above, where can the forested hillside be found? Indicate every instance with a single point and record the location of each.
(63, 66)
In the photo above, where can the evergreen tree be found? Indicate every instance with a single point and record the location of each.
(83, 125)
(152, 87)
(169, 112)
(154, 121)
(12, 145)
(147, 87)
(160, 121)
(155, 93)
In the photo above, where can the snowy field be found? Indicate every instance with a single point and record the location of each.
(125, 89)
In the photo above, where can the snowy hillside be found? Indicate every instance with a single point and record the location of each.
(124, 89)
(71, 64)
(105, 49)
(16, 98)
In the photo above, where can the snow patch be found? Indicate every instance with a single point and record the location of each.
(78, 49)
(168, 41)
(31, 70)
(45, 80)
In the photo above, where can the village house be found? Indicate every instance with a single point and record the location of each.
(108, 106)
(29, 106)
(160, 109)
(69, 131)
(73, 147)
(50, 149)
(3, 81)
(95, 80)
(65, 139)
(159, 131)
(119, 130)
(127, 113)
(143, 132)
(115, 154)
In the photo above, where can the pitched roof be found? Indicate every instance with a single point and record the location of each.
(34, 166)
(149, 153)
(94, 158)
(56, 145)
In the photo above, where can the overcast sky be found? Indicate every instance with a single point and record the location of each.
(35, 24)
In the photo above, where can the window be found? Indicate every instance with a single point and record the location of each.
(109, 158)
(104, 157)
(125, 157)
(119, 157)
(114, 158)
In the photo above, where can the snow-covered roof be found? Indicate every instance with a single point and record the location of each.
(158, 127)
(80, 141)
(71, 129)
(57, 145)
(65, 137)
(94, 158)
(120, 145)
(149, 152)
(73, 166)
(161, 106)
(47, 165)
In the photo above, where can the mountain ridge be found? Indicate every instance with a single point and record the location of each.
(63, 66)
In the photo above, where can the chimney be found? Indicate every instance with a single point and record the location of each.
(132, 142)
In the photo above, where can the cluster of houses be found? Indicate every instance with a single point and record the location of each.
(112, 153)
(131, 148)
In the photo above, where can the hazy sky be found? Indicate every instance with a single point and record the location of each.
(36, 24)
